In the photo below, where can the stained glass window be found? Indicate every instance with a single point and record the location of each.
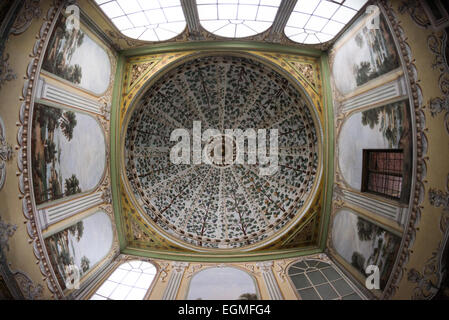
(150, 20)
(318, 21)
(130, 281)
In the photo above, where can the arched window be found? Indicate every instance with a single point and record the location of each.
(130, 281)
(318, 21)
(318, 280)
(237, 18)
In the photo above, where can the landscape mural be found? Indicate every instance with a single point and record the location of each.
(68, 153)
(362, 243)
(384, 127)
(222, 283)
(366, 55)
(82, 244)
(75, 57)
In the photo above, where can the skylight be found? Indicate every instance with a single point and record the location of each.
(237, 18)
(318, 21)
(150, 20)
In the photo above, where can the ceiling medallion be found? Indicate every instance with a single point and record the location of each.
(198, 144)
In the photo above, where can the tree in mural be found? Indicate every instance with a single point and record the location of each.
(77, 230)
(50, 151)
(358, 261)
(370, 117)
(72, 186)
(63, 45)
(85, 264)
(248, 296)
(389, 118)
(68, 123)
(365, 230)
(359, 40)
(363, 73)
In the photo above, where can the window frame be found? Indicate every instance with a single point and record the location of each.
(366, 171)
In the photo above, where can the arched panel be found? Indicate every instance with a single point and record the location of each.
(362, 243)
(385, 127)
(365, 54)
(68, 153)
(77, 58)
(81, 245)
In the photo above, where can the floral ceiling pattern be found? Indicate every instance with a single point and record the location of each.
(212, 206)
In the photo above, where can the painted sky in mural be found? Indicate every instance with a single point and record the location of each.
(75, 57)
(221, 284)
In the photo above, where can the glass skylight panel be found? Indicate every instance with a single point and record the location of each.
(237, 18)
(318, 21)
(130, 281)
(149, 20)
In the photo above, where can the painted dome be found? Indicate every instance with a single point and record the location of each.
(191, 175)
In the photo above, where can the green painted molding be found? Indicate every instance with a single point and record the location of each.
(115, 156)
(218, 258)
(329, 165)
(231, 45)
(114, 145)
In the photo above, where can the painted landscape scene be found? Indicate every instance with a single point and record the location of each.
(222, 284)
(72, 55)
(68, 153)
(83, 245)
(362, 243)
(369, 54)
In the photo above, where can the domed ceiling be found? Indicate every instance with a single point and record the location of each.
(222, 203)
